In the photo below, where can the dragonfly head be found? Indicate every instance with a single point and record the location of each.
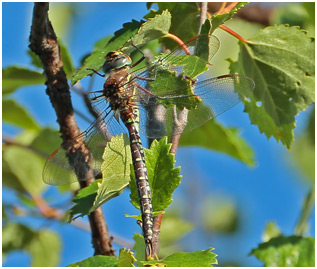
(116, 60)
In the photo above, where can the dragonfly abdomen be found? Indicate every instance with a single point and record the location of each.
(130, 117)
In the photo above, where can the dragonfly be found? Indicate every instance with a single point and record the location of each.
(135, 100)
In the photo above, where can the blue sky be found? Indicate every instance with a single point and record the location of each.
(272, 191)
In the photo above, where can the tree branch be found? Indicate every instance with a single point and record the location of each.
(43, 42)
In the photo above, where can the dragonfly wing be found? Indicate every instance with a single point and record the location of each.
(211, 98)
(58, 170)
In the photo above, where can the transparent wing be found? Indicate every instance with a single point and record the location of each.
(210, 98)
(58, 170)
(175, 60)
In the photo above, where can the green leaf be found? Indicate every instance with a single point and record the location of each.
(271, 231)
(141, 33)
(84, 201)
(97, 261)
(126, 258)
(163, 177)
(46, 140)
(223, 217)
(139, 247)
(115, 170)
(96, 59)
(280, 60)
(14, 77)
(44, 245)
(14, 113)
(100, 44)
(45, 249)
(214, 136)
(9, 179)
(26, 166)
(168, 81)
(174, 229)
(67, 60)
(61, 17)
(293, 14)
(285, 251)
(16, 236)
(200, 258)
(216, 20)
(152, 29)
(192, 66)
(35, 59)
(184, 23)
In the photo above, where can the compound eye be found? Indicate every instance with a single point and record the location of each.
(122, 61)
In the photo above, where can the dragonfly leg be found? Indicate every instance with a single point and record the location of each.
(145, 90)
(102, 75)
(142, 58)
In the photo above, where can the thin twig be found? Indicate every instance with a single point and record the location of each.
(43, 42)
(228, 8)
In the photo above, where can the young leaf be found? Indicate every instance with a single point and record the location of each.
(200, 258)
(84, 201)
(216, 20)
(14, 77)
(289, 251)
(14, 113)
(126, 258)
(271, 231)
(97, 261)
(280, 60)
(115, 170)
(139, 247)
(214, 136)
(163, 177)
(184, 23)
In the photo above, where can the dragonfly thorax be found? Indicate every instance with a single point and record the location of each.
(116, 60)
(117, 89)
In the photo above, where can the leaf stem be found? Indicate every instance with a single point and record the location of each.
(179, 41)
(233, 33)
